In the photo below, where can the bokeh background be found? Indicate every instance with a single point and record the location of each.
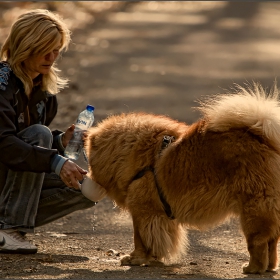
(158, 57)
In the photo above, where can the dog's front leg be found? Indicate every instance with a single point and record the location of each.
(140, 256)
(273, 255)
(258, 258)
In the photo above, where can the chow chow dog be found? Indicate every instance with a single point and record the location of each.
(171, 176)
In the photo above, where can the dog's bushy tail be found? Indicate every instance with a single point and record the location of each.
(250, 107)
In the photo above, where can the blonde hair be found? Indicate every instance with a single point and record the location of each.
(36, 32)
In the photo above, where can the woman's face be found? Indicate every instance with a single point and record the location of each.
(41, 64)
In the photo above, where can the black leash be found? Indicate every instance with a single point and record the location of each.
(167, 208)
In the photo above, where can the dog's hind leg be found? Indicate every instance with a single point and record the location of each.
(272, 254)
(258, 230)
(258, 256)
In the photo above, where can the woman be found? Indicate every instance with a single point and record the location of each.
(37, 184)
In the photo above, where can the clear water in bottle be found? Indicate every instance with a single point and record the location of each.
(84, 121)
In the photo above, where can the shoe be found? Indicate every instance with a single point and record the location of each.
(12, 242)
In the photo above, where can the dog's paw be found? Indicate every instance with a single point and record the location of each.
(272, 270)
(155, 263)
(249, 269)
(129, 260)
(139, 261)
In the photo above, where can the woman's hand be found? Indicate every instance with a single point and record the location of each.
(71, 174)
(68, 135)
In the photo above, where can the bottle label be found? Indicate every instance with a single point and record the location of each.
(79, 121)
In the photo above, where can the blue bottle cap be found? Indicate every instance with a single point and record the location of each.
(90, 108)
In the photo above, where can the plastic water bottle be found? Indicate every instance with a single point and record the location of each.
(84, 121)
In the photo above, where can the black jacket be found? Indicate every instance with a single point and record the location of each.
(14, 152)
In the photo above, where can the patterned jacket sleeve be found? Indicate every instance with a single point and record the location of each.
(15, 153)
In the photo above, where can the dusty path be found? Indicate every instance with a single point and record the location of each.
(156, 57)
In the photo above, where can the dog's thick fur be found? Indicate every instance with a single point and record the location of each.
(225, 164)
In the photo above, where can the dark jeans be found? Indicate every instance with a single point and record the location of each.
(28, 199)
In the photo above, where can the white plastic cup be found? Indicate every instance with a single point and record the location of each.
(92, 190)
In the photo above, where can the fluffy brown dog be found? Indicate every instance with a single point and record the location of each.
(171, 176)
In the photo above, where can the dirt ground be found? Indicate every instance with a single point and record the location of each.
(157, 57)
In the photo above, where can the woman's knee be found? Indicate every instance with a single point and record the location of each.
(37, 134)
